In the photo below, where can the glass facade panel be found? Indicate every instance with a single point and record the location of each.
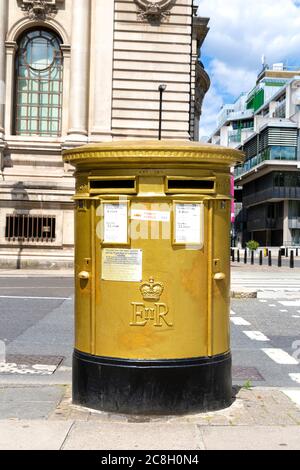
(282, 153)
(296, 237)
(39, 73)
(274, 152)
(294, 209)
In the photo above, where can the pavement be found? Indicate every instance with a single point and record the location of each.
(43, 418)
(36, 273)
(36, 413)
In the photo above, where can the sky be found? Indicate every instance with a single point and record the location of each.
(241, 32)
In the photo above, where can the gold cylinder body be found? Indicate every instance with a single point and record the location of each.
(152, 250)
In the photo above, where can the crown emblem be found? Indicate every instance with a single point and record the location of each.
(151, 290)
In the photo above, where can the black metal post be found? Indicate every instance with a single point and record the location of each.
(161, 90)
(297, 252)
(270, 258)
(292, 264)
(260, 258)
(245, 256)
(279, 259)
(252, 256)
(238, 256)
(233, 257)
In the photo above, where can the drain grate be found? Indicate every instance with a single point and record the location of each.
(246, 373)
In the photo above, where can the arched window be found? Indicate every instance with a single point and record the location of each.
(39, 72)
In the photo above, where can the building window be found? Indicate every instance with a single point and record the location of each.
(279, 152)
(295, 237)
(39, 73)
(279, 180)
(23, 228)
(294, 209)
(288, 180)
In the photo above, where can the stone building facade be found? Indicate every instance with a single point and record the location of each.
(79, 71)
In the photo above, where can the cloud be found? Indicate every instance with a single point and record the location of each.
(212, 104)
(231, 79)
(240, 33)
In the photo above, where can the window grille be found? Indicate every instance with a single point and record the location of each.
(30, 228)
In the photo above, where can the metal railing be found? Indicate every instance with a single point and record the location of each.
(255, 161)
(294, 222)
(24, 228)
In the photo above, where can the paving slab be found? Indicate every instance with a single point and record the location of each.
(251, 438)
(29, 402)
(133, 436)
(259, 418)
(33, 435)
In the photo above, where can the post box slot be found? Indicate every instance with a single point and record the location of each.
(113, 185)
(190, 185)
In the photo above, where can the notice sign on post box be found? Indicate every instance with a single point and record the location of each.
(122, 265)
(115, 223)
(188, 224)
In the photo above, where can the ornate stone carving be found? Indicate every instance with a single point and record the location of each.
(39, 9)
(154, 11)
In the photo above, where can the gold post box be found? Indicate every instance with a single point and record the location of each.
(152, 267)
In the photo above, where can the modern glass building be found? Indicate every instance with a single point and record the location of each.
(270, 176)
(265, 123)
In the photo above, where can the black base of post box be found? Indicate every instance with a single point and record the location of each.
(152, 387)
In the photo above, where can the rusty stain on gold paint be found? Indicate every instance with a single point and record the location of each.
(190, 279)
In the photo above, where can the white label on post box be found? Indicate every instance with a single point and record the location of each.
(122, 265)
(155, 216)
(189, 224)
(115, 223)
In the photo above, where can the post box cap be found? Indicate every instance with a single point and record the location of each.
(155, 152)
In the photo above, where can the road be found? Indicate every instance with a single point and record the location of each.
(265, 279)
(36, 325)
(266, 337)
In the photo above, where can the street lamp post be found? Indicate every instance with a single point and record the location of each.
(161, 90)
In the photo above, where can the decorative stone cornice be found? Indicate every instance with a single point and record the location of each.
(11, 47)
(66, 50)
(39, 9)
(154, 11)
